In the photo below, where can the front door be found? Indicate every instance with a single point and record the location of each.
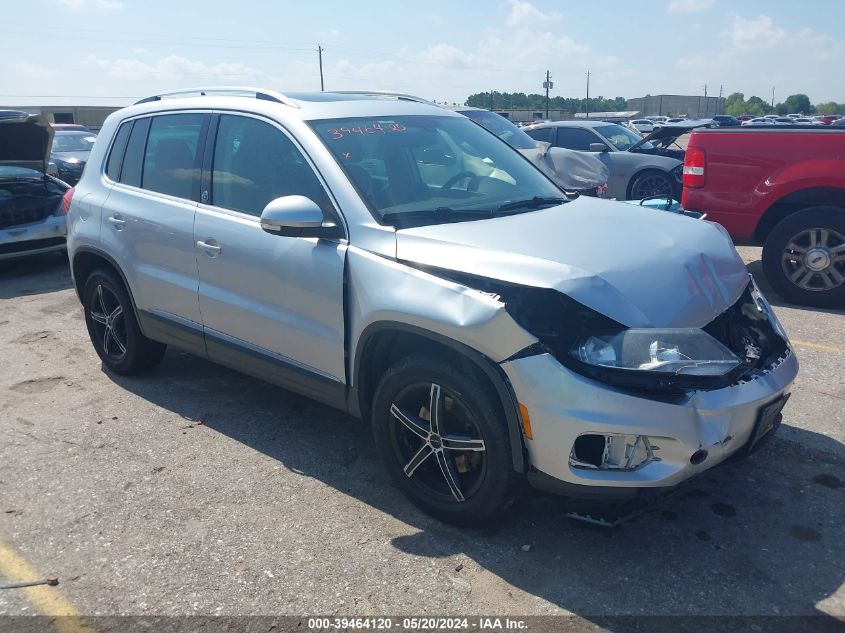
(277, 300)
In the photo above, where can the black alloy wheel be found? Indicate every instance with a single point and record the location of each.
(442, 434)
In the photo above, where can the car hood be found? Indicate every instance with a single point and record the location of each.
(667, 134)
(25, 140)
(640, 267)
(80, 157)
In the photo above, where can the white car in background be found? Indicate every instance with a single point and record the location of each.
(643, 126)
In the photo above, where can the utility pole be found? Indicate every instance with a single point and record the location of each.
(705, 99)
(320, 55)
(719, 105)
(773, 97)
(587, 102)
(547, 85)
(491, 101)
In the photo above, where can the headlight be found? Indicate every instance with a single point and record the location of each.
(686, 352)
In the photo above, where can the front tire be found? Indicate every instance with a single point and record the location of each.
(442, 436)
(113, 328)
(804, 257)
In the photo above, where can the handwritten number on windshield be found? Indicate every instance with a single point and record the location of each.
(375, 128)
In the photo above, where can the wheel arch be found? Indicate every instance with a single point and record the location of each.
(797, 201)
(86, 260)
(383, 343)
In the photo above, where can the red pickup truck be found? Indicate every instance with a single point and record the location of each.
(780, 188)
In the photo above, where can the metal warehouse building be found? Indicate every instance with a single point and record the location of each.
(695, 107)
(92, 117)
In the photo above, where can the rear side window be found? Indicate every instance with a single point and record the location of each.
(255, 163)
(546, 134)
(171, 159)
(130, 174)
(117, 150)
(576, 138)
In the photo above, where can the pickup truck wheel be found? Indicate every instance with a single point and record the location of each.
(442, 436)
(113, 328)
(652, 183)
(804, 257)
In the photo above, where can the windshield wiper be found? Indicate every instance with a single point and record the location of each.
(440, 214)
(531, 203)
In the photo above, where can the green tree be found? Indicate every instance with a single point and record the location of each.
(755, 106)
(799, 104)
(735, 104)
(828, 108)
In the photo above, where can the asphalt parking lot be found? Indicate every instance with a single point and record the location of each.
(196, 490)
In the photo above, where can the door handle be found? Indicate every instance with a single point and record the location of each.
(211, 248)
(117, 222)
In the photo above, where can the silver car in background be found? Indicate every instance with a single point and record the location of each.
(33, 205)
(640, 167)
(396, 261)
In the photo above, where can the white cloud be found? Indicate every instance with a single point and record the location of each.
(171, 67)
(689, 6)
(526, 14)
(81, 5)
(760, 32)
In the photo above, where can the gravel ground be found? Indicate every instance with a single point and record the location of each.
(196, 490)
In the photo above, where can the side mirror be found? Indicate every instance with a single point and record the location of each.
(598, 147)
(296, 216)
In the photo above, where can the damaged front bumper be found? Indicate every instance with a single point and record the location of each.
(666, 438)
(43, 236)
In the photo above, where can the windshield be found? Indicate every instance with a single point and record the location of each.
(73, 141)
(502, 128)
(621, 137)
(415, 170)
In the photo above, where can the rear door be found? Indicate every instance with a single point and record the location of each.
(277, 299)
(148, 222)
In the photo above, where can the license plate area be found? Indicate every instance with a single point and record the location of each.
(768, 419)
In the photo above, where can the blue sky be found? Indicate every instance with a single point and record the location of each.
(80, 51)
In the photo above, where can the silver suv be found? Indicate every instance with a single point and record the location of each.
(397, 261)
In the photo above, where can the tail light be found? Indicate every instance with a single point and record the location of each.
(694, 163)
(66, 200)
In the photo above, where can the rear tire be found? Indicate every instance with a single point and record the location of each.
(464, 473)
(804, 257)
(113, 328)
(652, 183)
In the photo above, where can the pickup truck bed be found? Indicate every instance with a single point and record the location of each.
(783, 189)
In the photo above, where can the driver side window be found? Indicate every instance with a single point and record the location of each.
(254, 163)
(436, 161)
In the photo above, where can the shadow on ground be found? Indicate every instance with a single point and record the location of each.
(34, 275)
(759, 537)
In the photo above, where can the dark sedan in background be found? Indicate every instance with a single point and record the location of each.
(70, 151)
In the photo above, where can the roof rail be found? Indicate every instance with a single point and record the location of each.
(384, 93)
(236, 91)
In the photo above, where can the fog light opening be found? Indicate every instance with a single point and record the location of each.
(697, 457)
(612, 452)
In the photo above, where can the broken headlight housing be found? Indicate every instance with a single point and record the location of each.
(690, 352)
(742, 343)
